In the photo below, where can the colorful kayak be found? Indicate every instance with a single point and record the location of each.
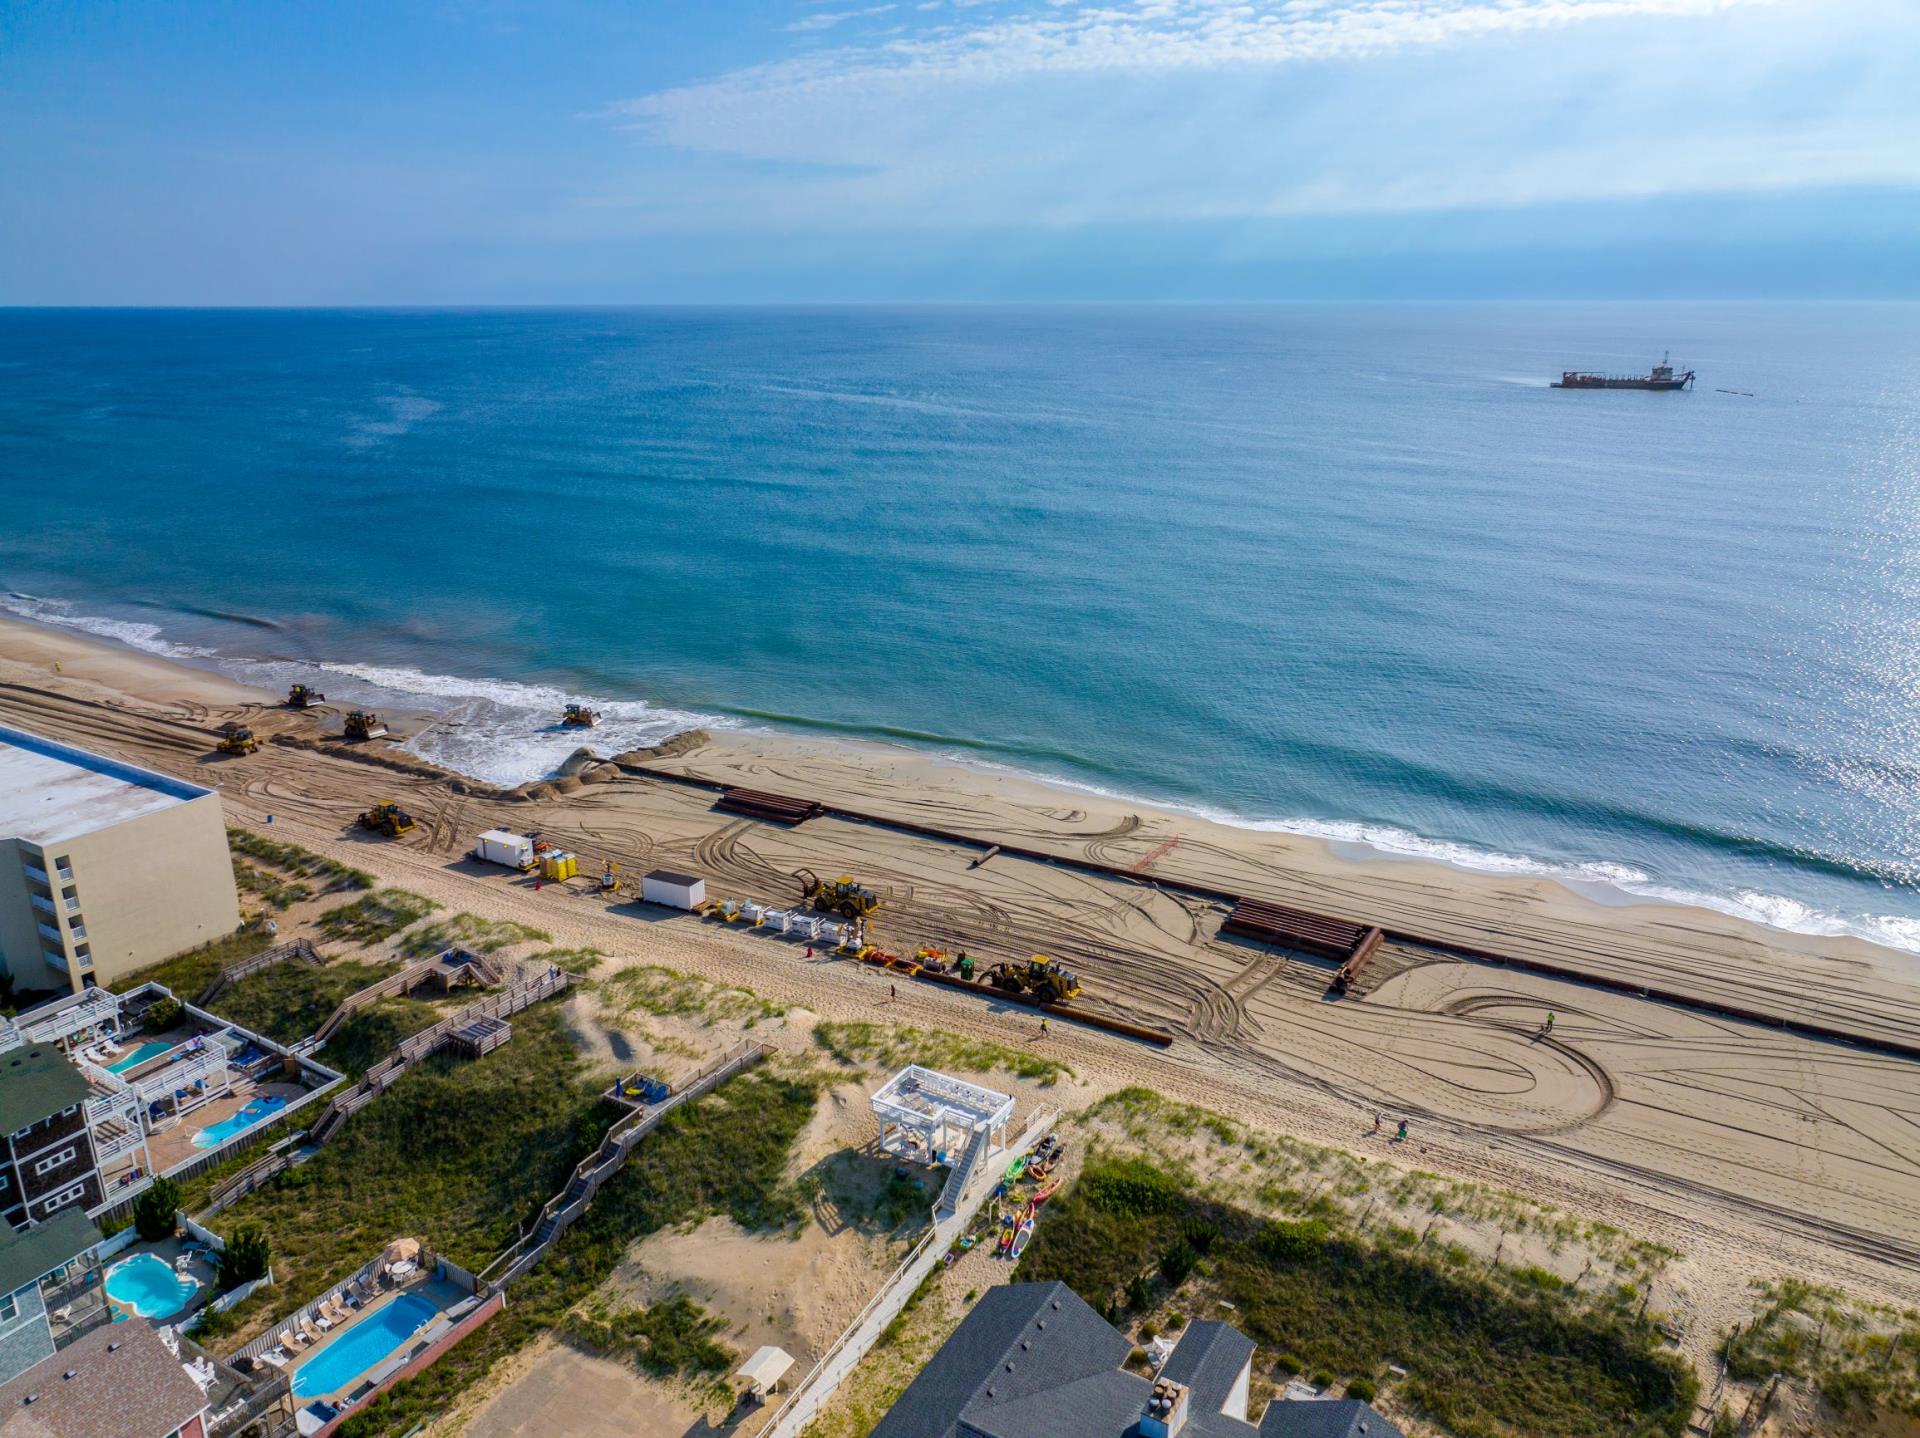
(1015, 1169)
(1047, 1190)
(1021, 1235)
(1006, 1238)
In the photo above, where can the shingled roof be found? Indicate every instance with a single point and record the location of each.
(31, 1253)
(1339, 1418)
(120, 1381)
(1032, 1360)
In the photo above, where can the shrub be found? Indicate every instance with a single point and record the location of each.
(1176, 1263)
(245, 1257)
(1137, 1358)
(1298, 1241)
(156, 1212)
(1321, 1378)
(1289, 1364)
(1134, 1188)
(1139, 1291)
(376, 916)
(1149, 1332)
(163, 1015)
(1361, 1388)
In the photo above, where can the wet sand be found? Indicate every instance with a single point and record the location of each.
(1752, 1150)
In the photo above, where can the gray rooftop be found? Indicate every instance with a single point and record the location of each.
(33, 1253)
(52, 792)
(1339, 1418)
(125, 1383)
(1032, 1360)
(36, 1081)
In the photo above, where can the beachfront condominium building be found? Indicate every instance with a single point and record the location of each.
(104, 867)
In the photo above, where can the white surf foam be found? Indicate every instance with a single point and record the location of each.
(508, 733)
(132, 633)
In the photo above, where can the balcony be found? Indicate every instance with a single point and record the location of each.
(42, 903)
(55, 961)
(79, 932)
(66, 875)
(38, 875)
(53, 935)
(72, 901)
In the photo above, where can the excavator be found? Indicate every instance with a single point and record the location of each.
(301, 697)
(237, 739)
(578, 716)
(363, 724)
(388, 819)
(1039, 977)
(840, 896)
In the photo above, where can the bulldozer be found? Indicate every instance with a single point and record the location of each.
(301, 697)
(237, 739)
(841, 896)
(363, 724)
(388, 819)
(578, 716)
(1040, 977)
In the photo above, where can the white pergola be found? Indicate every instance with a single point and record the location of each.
(931, 1117)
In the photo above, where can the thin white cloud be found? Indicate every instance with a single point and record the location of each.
(827, 19)
(1069, 112)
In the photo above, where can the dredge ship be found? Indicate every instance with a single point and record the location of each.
(1661, 376)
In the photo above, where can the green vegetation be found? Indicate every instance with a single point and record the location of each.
(579, 962)
(887, 1046)
(298, 863)
(291, 1000)
(675, 1338)
(245, 1257)
(163, 1016)
(156, 1211)
(1861, 1357)
(724, 1153)
(192, 971)
(270, 888)
(371, 1034)
(1292, 1176)
(470, 931)
(1489, 1355)
(668, 993)
(377, 916)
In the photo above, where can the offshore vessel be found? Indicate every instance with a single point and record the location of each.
(1661, 376)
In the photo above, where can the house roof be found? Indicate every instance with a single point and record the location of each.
(119, 1381)
(1209, 1359)
(35, 1081)
(32, 1253)
(1315, 1418)
(1032, 1360)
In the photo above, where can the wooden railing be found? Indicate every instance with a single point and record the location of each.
(232, 974)
(597, 1167)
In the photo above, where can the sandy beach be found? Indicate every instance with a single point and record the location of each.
(1752, 1150)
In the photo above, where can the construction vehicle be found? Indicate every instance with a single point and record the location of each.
(388, 819)
(841, 896)
(301, 697)
(237, 739)
(363, 724)
(1039, 977)
(578, 716)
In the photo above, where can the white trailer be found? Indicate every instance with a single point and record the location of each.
(676, 891)
(497, 846)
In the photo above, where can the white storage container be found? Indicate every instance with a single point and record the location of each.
(676, 891)
(497, 846)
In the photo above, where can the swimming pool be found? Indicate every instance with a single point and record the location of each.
(262, 1107)
(362, 1346)
(148, 1286)
(152, 1049)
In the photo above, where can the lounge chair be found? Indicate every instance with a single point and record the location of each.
(323, 1320)
(291, 1340)
(306, 1327)
(337, 1305)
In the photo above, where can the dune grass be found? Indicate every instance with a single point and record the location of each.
(668, 993)
(1488, 1354)
(889, 1046)
(290, 1000)
(375, 917)
(470, 931)
(298, 863)
(188, 973)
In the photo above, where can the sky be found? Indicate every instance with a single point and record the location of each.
(754, 151)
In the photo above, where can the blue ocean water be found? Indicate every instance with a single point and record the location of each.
(1349, 570)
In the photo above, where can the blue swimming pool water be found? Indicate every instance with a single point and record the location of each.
(362, 1346)
(257, 1109)
(148, 1286)
(149, 1050)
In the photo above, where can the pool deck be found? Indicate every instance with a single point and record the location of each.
(175, 1144)
(167, 1250)
(442, 1295)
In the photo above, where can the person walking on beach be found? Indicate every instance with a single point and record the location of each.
(1378, 1119)
(1403, 1131)
(1043, 1026)
(1549, 1023)
(893, 993)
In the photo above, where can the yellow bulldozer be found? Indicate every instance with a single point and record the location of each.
(237, 739)
(389, 819)
(302, 697)
(1040, 977)
(578, 716)
(842, 896)
(363, 724)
